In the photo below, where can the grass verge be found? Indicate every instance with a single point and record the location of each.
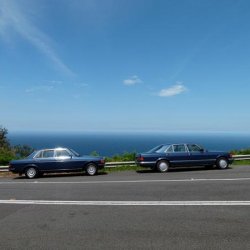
(122, 168)
(242, 162)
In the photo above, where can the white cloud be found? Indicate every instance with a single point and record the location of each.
(14, 18)
(55, 82)
(132, 80)
(172, 91)
(42, 88)
(81, 84)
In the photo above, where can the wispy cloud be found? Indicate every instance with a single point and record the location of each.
(41, 88)
(132, 80)
(47, 86)
(173, 90)
(81, 84)
(55, 82)
(13, 17)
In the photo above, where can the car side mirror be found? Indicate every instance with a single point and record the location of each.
(202, 150)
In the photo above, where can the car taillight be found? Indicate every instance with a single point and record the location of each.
(102, 161)
(141, 158)
(231, 155)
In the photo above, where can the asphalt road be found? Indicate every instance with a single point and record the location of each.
(181, 209)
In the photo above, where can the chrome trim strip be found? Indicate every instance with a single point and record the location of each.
(194, 160)
(146, 162)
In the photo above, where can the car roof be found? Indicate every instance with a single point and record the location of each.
(58, 148)
(176, 143)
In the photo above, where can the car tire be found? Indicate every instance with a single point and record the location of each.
(209, 166)
(162, 166)
(153, 168)
(31, 172)
(222, 163)
(91, 169)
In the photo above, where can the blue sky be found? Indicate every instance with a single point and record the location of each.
(111, 65)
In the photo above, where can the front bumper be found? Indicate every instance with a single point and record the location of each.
(13, 170)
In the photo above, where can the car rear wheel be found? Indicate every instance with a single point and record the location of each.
(162, 166)
(91, 169)
(31, 172)
(222, 163)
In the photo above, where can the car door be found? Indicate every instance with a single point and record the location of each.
(179, 156)
(45, 160)
(65, 160)
(199, 156)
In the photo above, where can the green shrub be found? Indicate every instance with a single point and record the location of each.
(241, 152)
(6, 155)
(126, 156)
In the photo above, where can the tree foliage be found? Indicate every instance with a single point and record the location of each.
(22, 151)
(241, 152)
(4, 142)
(7, 152)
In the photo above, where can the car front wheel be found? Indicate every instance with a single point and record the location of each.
(31, 172)
(222, 163)
(162, 166)
(91, 169)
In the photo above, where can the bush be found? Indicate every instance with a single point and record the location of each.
(241, 152)
(6, 155)
(123, 157)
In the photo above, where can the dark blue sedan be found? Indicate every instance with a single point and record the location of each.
(164, 156)
(56, 160)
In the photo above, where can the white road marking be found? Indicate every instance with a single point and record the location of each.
(121, 181)
(127, 203)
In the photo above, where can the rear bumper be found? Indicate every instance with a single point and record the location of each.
(146, 164)
(230, 160)
(101, 166)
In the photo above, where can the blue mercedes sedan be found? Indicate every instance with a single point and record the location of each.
(56, 160)
(164, 156)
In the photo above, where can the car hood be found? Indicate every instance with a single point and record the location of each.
(21, 161)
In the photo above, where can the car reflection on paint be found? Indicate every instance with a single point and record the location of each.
(56, 160)
(164, 156)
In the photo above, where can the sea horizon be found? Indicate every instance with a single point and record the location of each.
(108, 143)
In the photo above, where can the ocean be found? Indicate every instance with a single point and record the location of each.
(109, 144)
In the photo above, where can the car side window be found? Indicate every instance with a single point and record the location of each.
(45, 154)
(180, 148)
(170, 149)
(62, 153)
(193, 148)
(48, 154)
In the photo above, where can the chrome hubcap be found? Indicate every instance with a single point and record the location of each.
(91, 169)
(223, 163)
(31, 172)
(163, 166)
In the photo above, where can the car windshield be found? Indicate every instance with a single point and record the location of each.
(32, 155)
(159, 149)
